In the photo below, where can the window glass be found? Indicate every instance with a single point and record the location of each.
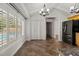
(12, 27)
(19, 28)
(4, 28)
(1, 22)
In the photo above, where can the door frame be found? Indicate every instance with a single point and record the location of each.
(50, 19)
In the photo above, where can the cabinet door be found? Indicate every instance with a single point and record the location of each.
(76, 26)
(77, 39)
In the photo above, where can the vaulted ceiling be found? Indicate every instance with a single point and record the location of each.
(29, 9)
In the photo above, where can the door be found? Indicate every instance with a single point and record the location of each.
(49, 30)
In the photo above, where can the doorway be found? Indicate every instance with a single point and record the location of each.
(49, 30)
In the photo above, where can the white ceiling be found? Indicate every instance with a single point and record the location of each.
(31, 8)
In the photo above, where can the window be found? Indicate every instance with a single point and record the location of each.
(1, 22)
(10, 28)
(3, 28)
(19, 28)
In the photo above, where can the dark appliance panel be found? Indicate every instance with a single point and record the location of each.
(69, 28)
(67, 32)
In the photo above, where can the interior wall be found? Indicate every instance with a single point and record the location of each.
(53, 29)
(35, 27)
(11, 48)
(60, 17)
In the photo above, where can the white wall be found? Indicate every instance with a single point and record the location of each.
(60, 17)
(11, 48)
(36, 25)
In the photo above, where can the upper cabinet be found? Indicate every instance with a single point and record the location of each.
(75, 17)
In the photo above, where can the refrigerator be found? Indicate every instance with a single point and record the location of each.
(69, 29)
